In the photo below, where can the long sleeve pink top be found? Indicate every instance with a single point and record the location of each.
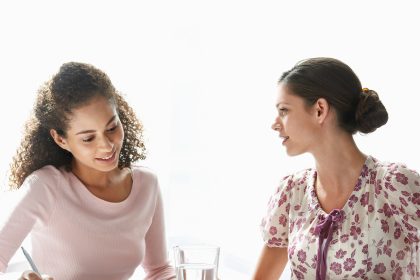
(76, 235)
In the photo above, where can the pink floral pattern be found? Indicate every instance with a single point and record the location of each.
(378, 238)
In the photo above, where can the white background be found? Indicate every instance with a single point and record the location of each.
(202, 75)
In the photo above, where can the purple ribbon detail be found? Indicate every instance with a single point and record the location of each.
(325, 229)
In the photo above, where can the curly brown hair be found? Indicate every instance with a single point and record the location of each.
(73, 86)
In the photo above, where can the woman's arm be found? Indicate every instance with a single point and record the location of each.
(156, 264)
(34, 203)
(271, 263)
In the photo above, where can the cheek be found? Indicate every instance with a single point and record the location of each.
(299, 129)
(82, 151)
(289, 124)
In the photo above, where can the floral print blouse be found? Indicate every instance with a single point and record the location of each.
(374, 236)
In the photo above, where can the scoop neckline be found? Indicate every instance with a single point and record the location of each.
(89, 197)
(346, 208)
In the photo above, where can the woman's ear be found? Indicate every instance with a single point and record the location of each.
(59, 140)
(322, 109)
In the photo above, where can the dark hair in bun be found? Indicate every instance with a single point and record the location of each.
(370, 112)
(322, 77)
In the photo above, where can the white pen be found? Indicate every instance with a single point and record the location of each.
(31, 262)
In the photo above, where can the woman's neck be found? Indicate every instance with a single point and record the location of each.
(112, 186)
(92, 178)
(338, 164)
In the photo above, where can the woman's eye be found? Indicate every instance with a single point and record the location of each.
(282, 111)
(87, 139)
(113, 128)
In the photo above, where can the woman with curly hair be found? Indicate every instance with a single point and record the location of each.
(91, 212)
(351, 216)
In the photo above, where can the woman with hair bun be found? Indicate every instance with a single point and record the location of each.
(352, 216)
(92, 212)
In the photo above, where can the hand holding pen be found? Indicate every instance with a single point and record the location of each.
(34, 273)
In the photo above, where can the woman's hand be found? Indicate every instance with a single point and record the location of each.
(32, 275)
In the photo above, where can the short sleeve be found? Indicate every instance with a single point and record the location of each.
(275, 224)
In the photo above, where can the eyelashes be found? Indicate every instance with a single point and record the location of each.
(90, 139)
(283, 112)
(112, 128)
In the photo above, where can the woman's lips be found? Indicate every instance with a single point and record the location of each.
(108, 159)
(285, 138)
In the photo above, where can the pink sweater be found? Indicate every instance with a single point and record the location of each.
(76, 235)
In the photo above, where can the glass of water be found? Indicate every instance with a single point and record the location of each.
(196, 262)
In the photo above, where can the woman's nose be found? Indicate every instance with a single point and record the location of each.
(276, 125)
(106, 143)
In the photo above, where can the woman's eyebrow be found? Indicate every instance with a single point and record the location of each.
(91, 130)
(281, 103)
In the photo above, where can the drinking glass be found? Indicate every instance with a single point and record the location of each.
(196, 262)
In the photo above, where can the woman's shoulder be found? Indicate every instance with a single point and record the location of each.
(41, 185)
(293, 187)
(395, 172)
(140, 170)
(397, 187)
(45, 175)
(296, 179)
(145, 176)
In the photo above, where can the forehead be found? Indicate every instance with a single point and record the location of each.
(96, 113)
(286, 97)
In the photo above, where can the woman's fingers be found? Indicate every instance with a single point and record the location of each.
(30, 275)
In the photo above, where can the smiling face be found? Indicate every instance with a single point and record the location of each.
(94, 137)
(296, 122)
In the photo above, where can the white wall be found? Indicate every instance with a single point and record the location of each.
(202, 77)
